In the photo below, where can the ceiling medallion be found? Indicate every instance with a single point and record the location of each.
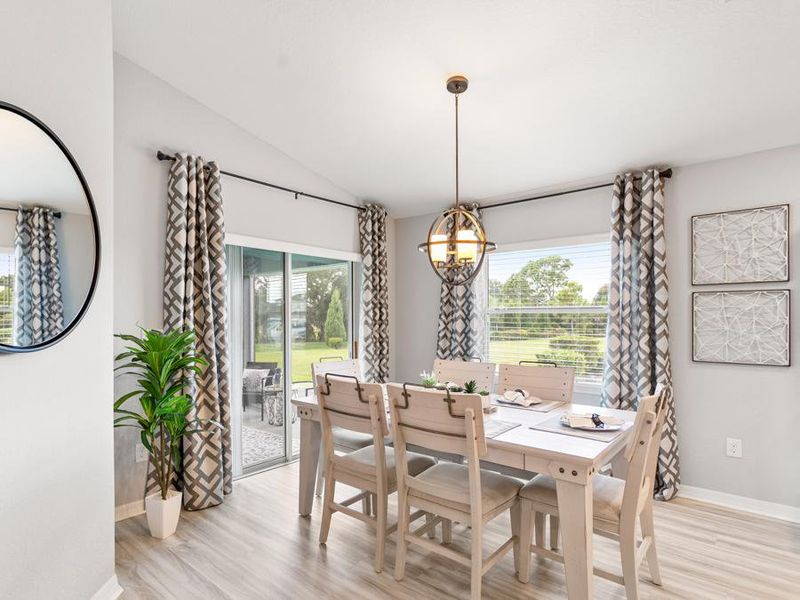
(457, 244)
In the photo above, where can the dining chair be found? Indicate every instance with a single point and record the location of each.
(462, 371)
(343, 440)
(546, 382)
(617, 505)
(348, 404)
(451, 423)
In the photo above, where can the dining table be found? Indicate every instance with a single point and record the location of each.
(571, 459)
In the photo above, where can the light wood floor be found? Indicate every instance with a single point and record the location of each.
(256, 546)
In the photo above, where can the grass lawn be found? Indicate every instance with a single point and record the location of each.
(512, 351)
(303, 354)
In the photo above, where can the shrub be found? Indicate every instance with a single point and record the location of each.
(576, 342)
(334, 322)
(335, 342)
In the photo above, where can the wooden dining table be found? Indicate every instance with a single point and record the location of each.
(572, 461)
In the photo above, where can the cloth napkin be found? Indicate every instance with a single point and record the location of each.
(521, 397)
(583, 420)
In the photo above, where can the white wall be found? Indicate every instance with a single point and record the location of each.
(760, 405)
(152, 115)
(56, 503)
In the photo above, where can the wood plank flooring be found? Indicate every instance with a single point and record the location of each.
(256, 546)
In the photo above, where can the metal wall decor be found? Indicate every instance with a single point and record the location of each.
(742, 327)
(741, 246)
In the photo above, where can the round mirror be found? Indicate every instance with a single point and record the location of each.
(49, 237)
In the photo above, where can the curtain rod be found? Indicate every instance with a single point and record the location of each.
(56, 214)
(666, 174)
(163, 156)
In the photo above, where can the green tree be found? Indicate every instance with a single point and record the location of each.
(570, 295)
(320, 285)
(334, 322)
(538, 282)
(601, 297)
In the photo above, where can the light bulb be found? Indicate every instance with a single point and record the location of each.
(468, 250)
(438, 251)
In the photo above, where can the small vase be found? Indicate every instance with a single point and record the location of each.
(163, 515)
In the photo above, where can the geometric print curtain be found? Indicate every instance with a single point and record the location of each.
(462, 309)
(374, 292)
(637, 335)
(194, 299)
(38, 305)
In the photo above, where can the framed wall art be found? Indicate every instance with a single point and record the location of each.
(741, 246)
(749, 328)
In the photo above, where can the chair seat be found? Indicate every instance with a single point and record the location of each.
(351, 440)
(496, 488)
(362, 463)
(607, 495)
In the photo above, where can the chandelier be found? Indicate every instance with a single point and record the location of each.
(456, 244)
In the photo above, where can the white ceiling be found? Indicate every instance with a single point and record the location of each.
(33, 170)
(559, 91)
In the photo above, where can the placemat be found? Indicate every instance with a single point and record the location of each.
(542, 407)
(553, 425)
(495, 427)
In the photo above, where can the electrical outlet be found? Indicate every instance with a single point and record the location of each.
(141, 452)
(733, 448)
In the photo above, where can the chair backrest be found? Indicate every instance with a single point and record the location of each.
(441, 421)
(342, 367)
(349, 403)
(546, 382)
(460, 372)
(640, 453)
(436, 419)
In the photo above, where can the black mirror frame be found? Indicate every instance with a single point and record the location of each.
(5, 348)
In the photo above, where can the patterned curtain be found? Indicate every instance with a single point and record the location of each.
(637, 336)
(461, 330)
(374, 293)
(38, 306)
(194, 298)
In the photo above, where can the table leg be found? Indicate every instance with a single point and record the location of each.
(575, 509)
(310, 435)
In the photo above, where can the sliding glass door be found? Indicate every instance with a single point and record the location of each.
(273, 343)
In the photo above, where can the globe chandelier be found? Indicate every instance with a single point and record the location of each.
(457, 244)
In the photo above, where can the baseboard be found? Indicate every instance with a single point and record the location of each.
(126, 511)
(111, 590)
(751, 505)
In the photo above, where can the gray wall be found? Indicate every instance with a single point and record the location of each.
(757, 404)
(56, 505)
(151, 115)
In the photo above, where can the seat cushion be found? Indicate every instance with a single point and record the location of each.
(496, 488)
(362, 463)
(351, 440)
(607, 492)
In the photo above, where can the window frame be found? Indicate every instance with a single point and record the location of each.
(581, 387)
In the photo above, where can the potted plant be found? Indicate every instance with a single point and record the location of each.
(161, 363)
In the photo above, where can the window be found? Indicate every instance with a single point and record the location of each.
(550, 305)
(7, 270)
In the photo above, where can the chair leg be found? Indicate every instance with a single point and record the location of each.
(327, 510)
(320, 477)
(515, 526)
(630, 568)
(553, 532)
(447, 531)
(648, 529)
(432, 531)
(538, 525)
(402, 531)
(381, 508)
(366, 505)
(525, 537)
(477, 559)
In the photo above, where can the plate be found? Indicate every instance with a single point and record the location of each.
(616, 425)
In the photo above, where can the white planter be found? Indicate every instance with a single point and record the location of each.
(163, 515)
